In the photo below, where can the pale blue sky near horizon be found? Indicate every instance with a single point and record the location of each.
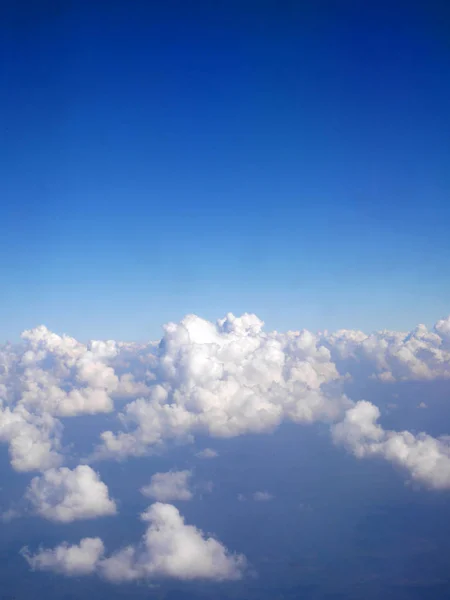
(283, 159)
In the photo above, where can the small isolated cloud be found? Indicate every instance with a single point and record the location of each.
(426, 458)
(423, 405)
(207, 453)
(173, 485)
(65, 495)
(256, 496)
(81, 559)
(262, 496)
(169, 548)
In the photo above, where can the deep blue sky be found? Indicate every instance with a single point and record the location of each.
(286, 158)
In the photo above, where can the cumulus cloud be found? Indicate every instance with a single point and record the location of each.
(169, 548)
(173, 485)
(34, 439)
(48, 377)
(227, 379)
(207, 453)
(426, 458)
(65, 495)
(393, 355)
(61, 376)
(220, 379)
(81, 559)
(173, 549)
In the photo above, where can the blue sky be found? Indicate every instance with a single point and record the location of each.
(276, 158)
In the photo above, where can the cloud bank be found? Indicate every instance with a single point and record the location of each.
(211, 380)
(220, 379)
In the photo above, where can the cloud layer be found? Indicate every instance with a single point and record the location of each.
(222, 380)
(216, 380)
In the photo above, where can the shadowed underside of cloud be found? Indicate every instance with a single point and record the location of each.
(169, 548)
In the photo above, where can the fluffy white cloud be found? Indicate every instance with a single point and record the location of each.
(61, 376)
(392, 355)
(173, 549)
(226, 379)
(34, 439)
(442, 328)
(207, 453)
(66, 495)
(81, 559)
(169, 548)
(173, 485)
(49, 376)
(220, 379)
(426, 458)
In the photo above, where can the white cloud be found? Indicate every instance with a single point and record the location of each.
(81, 559)
(207, 453)
(392, 355)
(66, 495)
(173, 485)
(426, 458)
(65, 378)
(220, 379)
(262, 496)
(34, 439)
(169, 548)
(173, 549)
(442, 328)
(226, 379)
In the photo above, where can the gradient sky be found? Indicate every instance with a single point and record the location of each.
(290, 159)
